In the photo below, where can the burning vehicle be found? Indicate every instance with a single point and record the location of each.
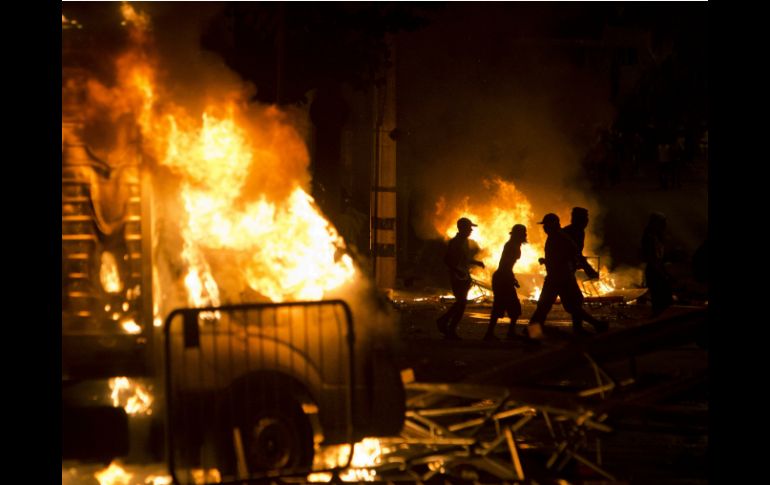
(169, 213)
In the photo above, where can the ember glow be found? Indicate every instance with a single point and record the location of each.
(130, 326)
(205, 476)
(117, 473)
(108, 274)
(476, 292)
(131, 396)
(69, 23)
(158, 480)
(367, 453)
(113, 475)
(242, 174)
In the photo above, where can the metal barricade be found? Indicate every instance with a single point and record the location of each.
(251, 388)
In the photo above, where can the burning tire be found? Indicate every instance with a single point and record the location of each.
(273, 431)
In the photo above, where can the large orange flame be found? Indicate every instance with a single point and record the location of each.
(247, 217)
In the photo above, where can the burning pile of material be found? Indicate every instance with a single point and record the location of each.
(366, 455)
(116, 473)
(502, 206)
(506, 206)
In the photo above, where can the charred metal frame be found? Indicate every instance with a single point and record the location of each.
(461, 437)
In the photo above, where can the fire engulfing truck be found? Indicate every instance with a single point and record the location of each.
(246, 389)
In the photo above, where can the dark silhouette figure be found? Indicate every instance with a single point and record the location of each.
(561, 260)
(653, 254)
(458, 259)
(504, 283)
(576, 230)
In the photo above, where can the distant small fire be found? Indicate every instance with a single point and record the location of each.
(67, 23)
(130, 326)
(114, 475)
(367, 453)
(131, 395)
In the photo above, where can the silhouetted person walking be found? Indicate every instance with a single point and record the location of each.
(576, 230)
(504, 283)
(561, 259)
(653, 253)
(459, 260)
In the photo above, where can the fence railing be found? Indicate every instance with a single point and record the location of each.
(250, 388)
